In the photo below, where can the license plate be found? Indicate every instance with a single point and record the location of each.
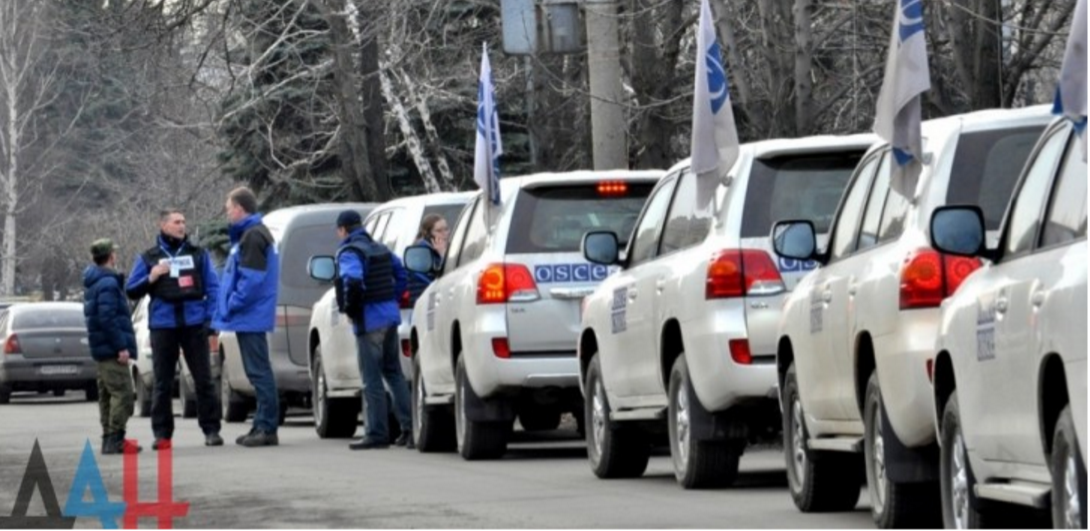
(53, 370)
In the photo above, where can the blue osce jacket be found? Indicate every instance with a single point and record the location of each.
(251, 276)
(163, 314)
(376, 315)
(106, 312)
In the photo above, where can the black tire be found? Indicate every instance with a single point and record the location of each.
(58, 393)
(697, 464)
(334, 418)
(282, 415)
(5, 395)
(537, 418)
(92, 392)
(235, 406)
(829, 481)
(143, 395)
(1068, 476)
(954, 457)
(476, 440)
(893, 505)
(188, 398)
(614, 450)
(433, 427)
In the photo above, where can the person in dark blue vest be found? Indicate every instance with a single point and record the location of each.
(370, 282)
(182, 283)
(247, 306)
(433, 236)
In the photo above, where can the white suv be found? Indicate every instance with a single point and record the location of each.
(495, 334)
(1010, 374)
(682, 340)
(855, 335)
(334, 364)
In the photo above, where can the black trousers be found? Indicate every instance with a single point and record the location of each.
(192, 341)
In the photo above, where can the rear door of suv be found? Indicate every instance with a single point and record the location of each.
(547, 228)
(799, 186)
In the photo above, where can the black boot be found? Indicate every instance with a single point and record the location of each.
(107, 444)
(123, 446)
(111, 445)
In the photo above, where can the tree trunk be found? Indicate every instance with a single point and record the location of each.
(355, 157)
(10, 176)
(804, 88)
(373, 116)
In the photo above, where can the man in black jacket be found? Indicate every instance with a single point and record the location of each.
(113, 344)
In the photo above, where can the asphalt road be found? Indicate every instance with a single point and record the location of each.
(308, 482)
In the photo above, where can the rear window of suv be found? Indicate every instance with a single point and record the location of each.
(807, 187)
(995, 158)
(448, 212)
(553, 219)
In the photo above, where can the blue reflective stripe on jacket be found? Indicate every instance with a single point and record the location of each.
(248, 289)
(109, 324)
(375, 315)
(160, 313)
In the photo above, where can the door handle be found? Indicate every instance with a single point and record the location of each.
(1038, 299)
(1001, 306)
(632, 294)
(660, 285)
(827, 297)
(851, 290)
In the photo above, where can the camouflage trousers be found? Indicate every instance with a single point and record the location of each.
(115, 396)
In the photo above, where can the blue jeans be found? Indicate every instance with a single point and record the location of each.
(378, 357)
(255, 359)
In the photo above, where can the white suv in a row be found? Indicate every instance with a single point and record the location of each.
(1010, 369)
(334, 363)
(682, 340)
(494, 336)
(857, 335)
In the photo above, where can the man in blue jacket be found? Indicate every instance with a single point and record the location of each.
(182, 284)
(247, 306)
(113, 345)
(370, 282)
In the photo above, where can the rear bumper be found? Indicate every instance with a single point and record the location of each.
(19, 373)
(721, 383)
(901, 357)
(290, 377)
(490, 375)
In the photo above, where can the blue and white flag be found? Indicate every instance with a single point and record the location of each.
(714, 145)
(486, 160)
(1071, 93)
(897, 119)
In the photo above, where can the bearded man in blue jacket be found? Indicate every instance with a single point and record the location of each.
(247, 306)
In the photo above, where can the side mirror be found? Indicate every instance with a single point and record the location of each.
(796, 240)
(958, 230)
(322, 268)
(418, 259)
(601, 248)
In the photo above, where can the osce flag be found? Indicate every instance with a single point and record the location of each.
(715, 137)
(1071, 92)
(486, 159)
(897, 119)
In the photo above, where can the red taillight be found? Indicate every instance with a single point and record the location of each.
(739, 351)
(406, 348)
(11, 346)
(928, 277)
(501, 348)
(930, 368)
(741, 272)
(404, 303)
(612, 188)
(501, 283)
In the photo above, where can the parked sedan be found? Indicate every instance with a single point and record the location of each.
(45, 349)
